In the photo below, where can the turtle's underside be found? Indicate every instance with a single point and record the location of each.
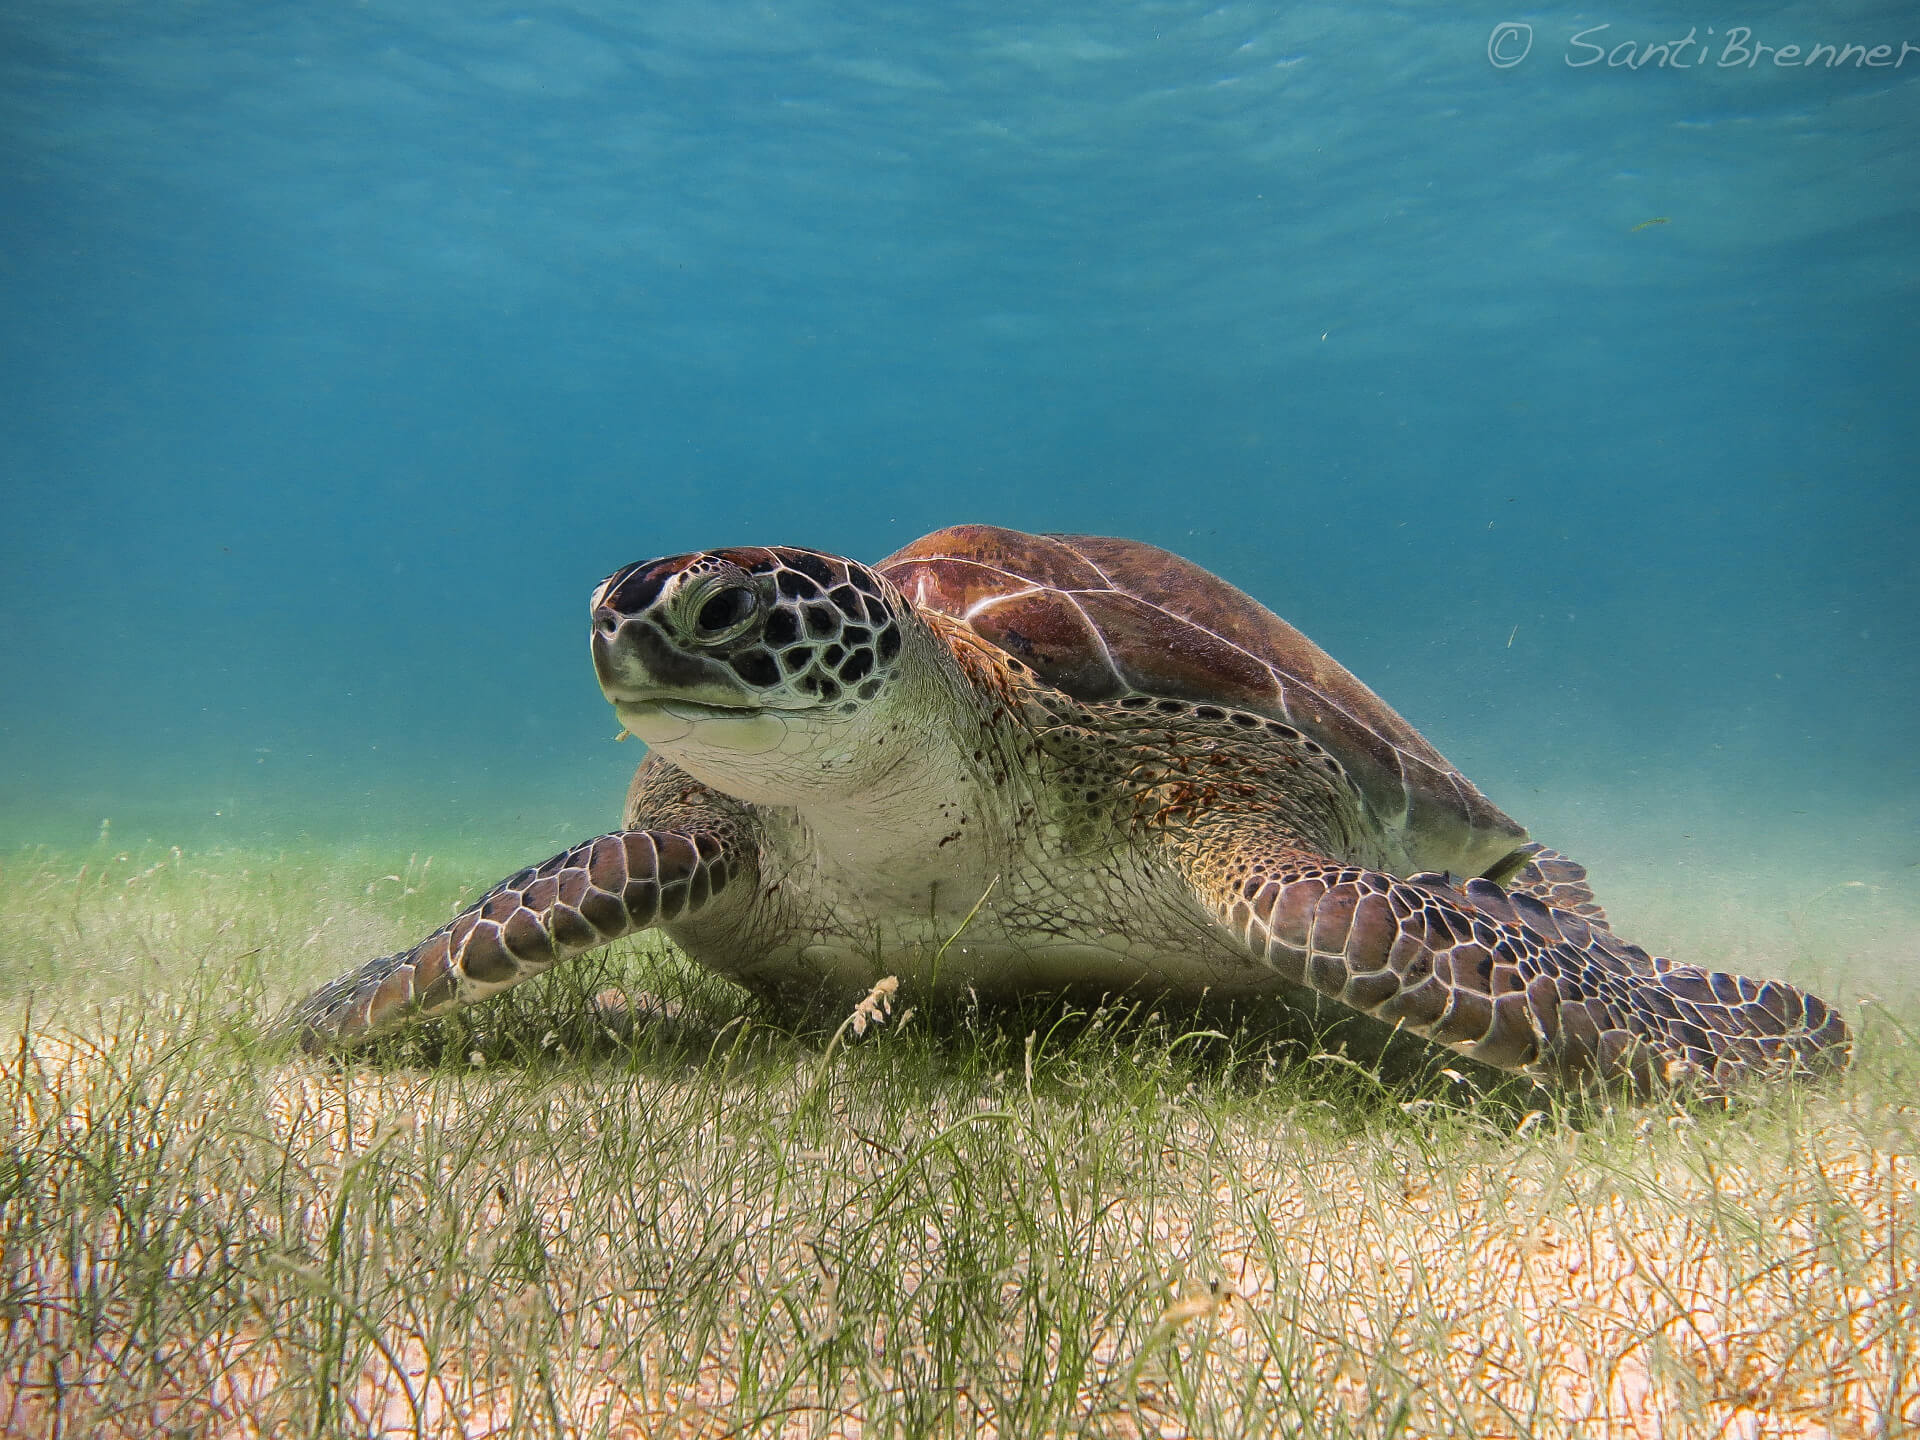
(1125, 771)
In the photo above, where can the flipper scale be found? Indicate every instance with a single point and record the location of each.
(1556, 882)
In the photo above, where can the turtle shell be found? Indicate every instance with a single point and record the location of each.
(1103, 618)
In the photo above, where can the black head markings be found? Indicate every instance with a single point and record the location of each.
(765, 617)
(814, 567)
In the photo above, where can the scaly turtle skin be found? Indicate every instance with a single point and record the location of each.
(1154, 782)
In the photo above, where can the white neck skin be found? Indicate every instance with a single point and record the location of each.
(882, 787)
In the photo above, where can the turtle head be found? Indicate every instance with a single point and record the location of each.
(724, 654)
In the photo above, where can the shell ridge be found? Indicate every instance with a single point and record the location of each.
(980, 607)
(1099, 636)
(1063, 538)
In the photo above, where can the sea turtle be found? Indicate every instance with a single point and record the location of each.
(1127, 773)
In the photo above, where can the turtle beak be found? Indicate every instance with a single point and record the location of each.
(638, 664)
(616, 657)
(667, 695)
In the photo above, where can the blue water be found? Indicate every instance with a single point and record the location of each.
(343, 348)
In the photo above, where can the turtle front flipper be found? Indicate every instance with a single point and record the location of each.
(1510, 981)
(577, 901)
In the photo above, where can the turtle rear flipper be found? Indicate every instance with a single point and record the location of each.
(577, 901)
(1555, 881)
(1506, 979)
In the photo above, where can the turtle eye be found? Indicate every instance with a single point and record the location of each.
(721, 613)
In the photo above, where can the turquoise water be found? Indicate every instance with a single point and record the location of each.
(1571, 404)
